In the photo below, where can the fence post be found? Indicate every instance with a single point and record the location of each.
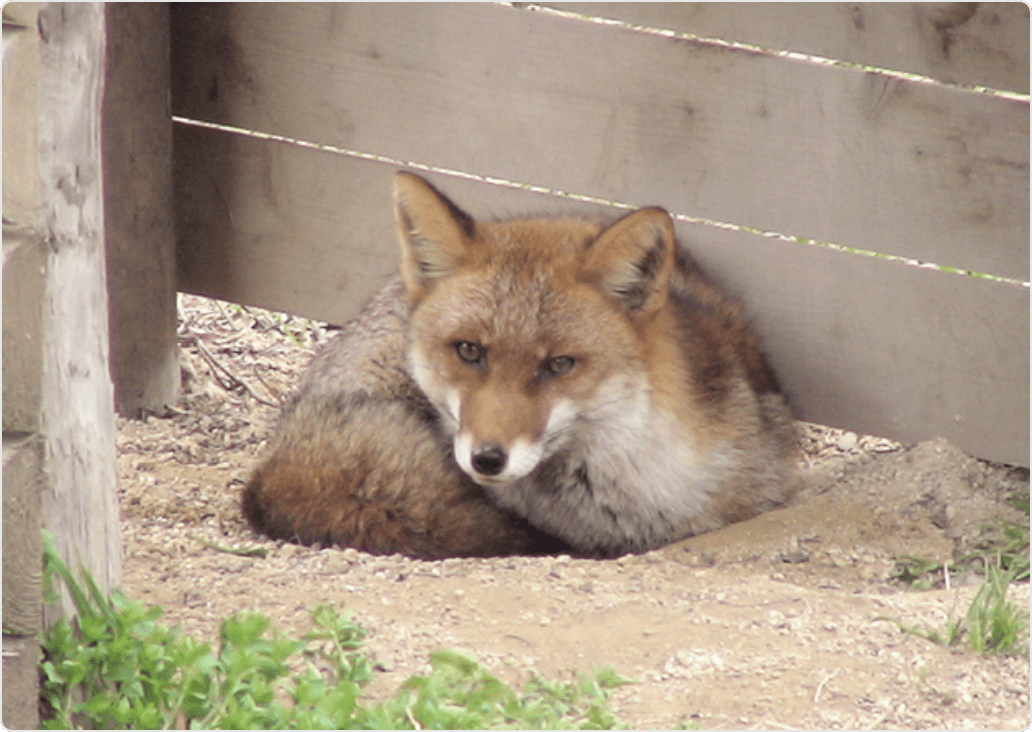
(141, 256)
(58, 415)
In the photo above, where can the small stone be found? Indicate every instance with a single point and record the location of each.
(847, 441)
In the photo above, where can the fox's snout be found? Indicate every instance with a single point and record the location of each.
(502, 432)
(490, 462)
(489, 459)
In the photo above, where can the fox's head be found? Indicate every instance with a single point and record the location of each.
(524, 332)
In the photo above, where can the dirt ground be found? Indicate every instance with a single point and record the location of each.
(775, 623)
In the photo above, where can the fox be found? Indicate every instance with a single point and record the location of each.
(529, 386)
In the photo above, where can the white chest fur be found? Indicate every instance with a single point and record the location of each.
(625, 474)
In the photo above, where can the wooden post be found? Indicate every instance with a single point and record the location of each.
(80, 506)
(58, 415)
(141, 257)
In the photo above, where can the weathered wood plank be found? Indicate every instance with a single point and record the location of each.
(24, 285)
(978, 44)
(21, 79)
(141, 270)
(832, 154)
(251, 229)
(859, 342)
(79, 504)
(24, 282)
(21, 682)
(24, 481)
(885, 348)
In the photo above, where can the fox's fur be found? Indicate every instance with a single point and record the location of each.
(529, 385)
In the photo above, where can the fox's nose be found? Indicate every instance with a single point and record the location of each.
(489, 459)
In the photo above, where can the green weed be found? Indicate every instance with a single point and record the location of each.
(917, 572)
(115, 667)
(239, 551)
(992, 624)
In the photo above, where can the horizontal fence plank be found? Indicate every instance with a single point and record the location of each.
(977, 44)
(280, 227)
(833, 154)
(858, 342)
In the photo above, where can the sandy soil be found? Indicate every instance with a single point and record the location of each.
(779, 622)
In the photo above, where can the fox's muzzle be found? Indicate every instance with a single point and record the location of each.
(489, 459)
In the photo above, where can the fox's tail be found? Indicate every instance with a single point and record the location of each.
(396, 491)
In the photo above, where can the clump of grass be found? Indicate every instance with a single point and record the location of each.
(115, 667)
(991, 624)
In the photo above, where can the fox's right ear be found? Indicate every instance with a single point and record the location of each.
(433, 232)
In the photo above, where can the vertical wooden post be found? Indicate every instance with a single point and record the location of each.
(141, 257)
(79, 504)
(64, 194)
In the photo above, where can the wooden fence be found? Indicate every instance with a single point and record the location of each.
(713, 111)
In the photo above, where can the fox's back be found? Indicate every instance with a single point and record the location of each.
(368, 355)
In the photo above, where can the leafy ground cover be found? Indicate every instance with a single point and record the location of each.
(117, 667)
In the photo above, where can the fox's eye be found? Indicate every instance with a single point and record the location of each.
(471, 353)
(558, 366)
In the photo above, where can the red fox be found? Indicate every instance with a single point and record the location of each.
(530, 385)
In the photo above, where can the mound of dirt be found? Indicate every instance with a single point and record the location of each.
(778, 622)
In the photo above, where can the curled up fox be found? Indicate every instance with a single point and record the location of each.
(527, 386)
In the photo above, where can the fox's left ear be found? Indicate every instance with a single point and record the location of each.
(632, 259)
(433, 232)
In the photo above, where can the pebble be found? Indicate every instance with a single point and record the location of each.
(846, 441)
(337, 564)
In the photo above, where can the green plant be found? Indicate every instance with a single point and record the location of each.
(239, 551)
(918, 572)
(115, 667)
(992, 624)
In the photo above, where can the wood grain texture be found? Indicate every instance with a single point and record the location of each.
(20, 91)
(79, 503)
(832, 154)
(881, 347)
(141, 269)
(858, 342)
(24, 287)
(979, 44)
(21, 682)
(24, 483)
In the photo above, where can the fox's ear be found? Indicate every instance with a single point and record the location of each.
(632, 259)
(433, 233)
